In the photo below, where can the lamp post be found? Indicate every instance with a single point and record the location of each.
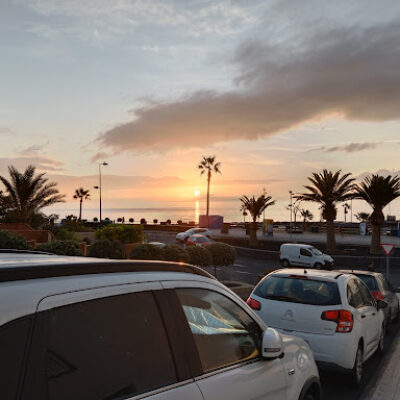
(291, 211)
(99, 187)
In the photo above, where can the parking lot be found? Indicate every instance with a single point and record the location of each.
(249, 270)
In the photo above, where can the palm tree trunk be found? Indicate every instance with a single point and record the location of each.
(330, 236)
(208, 198)
(80, 210)
(376, 240)
(253, 234)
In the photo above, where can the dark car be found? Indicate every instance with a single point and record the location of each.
(381, 289)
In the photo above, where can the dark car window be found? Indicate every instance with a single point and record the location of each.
(13, 338)
(367, 299)
(299, 290)
(223, 332)
(353, 294)
(305, 252)
(107, 348)
(369, 280)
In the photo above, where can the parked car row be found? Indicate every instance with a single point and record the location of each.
(84, 328)
(342, 315)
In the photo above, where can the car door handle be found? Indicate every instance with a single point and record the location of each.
(363, 316)
(373, 313)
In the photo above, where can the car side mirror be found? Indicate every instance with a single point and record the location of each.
(380, 304)
(271, 344)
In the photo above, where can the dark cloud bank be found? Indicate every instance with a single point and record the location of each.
(354, 72)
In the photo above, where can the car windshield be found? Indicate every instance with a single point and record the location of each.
(316, 251)
(298, 290)
(370, 281)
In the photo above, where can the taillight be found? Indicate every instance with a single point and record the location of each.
(280, 253)
(254, 304)
(343, 318)
(377, 295)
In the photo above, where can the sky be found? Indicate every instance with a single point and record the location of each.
(275, 89)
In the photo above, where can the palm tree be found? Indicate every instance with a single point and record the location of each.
(26, 193)
(362, 216)
(255, 207)
(378, 192)
(346, 208)
(307, 217)
(208, 165)
(81, 194)
(328, 189)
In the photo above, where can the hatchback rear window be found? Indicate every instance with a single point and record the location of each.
(370, 281)
(299, 290)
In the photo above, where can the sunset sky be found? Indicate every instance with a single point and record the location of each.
(275, 89)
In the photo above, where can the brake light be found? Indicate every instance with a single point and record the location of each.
(377, 295)
(343, 318)
(280, 253)
(254, 304)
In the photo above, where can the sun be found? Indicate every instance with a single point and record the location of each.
(197, 193)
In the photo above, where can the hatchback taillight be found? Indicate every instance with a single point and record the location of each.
(343, 318)
(254, 304)
(377, 295)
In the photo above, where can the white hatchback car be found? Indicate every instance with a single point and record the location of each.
(333, 312)
(83, 328)
(183, 236)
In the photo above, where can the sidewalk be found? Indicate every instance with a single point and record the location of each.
(387, 385)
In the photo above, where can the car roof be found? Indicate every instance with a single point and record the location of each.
(33, 265)
(297, 245)
(310, 273)
(358, 272)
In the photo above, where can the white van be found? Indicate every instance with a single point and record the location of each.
(304, 255)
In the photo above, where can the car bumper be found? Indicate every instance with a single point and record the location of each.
(335, 351)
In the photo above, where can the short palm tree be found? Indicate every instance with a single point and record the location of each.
(81, 194)
(208, 165)
(362, 216)
(328, 189)
(255, 207)
(27, 193)
(378, 192)
(307, 217)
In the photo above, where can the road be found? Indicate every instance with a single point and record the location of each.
(249, 270)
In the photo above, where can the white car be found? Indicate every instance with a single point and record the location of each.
(183, 236)
(81, 328)
(303, 255)
(333, 312)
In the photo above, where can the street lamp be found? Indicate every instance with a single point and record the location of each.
(291, 211)
(99, 187)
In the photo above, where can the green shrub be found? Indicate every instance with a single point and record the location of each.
(106, 248)
(222, 255)
(173, 252)
(65, 234)
(146, 252)
(199, 256)
(61, 247)
(10, 240)
(123, 233)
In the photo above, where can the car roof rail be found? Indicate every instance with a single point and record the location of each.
(337, 276)
(51, 269)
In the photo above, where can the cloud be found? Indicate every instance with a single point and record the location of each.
(5, 130)
(352, 72)
(40, 162)
(348, 148)
(34, 149)
(101, 155)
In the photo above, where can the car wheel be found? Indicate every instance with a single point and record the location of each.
(382, 342)
(358, 368)
(285, 263)
(318, 266)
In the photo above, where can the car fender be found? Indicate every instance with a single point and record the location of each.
(299, 364)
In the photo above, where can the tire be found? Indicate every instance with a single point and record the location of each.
(309, 396)
(397, 317)
(356, 373)
(382, 343)
(285, 263)
(318, 266)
